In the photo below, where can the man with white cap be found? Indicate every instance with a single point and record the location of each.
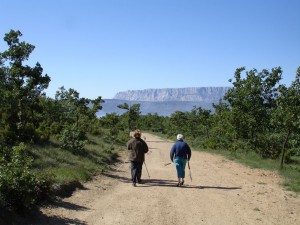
(179, 154)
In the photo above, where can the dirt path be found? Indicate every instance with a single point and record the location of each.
(221, 192)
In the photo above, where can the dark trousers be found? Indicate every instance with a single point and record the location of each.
(136, 171)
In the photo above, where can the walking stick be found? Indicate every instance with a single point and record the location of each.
(147, 169)
(190, 173)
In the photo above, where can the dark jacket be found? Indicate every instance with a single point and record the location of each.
(137, 149)
(180, 149)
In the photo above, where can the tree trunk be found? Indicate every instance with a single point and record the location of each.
(284, 147)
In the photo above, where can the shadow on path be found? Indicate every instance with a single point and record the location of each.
(218, 187)
(68, 205)
(172, 183)
(36, 217)
(51, 220)
(121, 178)
(42, 219)
(167, 183)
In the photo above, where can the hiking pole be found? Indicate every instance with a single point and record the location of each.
(190, 173)
(147, 169)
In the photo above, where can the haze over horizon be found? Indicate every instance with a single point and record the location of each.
(100, 48)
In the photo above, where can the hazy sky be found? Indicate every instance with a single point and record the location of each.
(102, 47)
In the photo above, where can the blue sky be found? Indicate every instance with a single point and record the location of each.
(102, 47)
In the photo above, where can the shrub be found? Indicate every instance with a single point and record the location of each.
(19, 187)
(210, 144)
(73, 139)
(7, 136)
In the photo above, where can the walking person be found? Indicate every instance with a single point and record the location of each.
(137, 148)
(179, 154)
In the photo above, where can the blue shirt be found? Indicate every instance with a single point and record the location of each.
(180, 149)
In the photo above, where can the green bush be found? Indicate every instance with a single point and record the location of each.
(19, 187)
(269, 145)
(72, 139)
(44, 131)
(7, 136)
(210, 144)
(123, 137)
(55, 128)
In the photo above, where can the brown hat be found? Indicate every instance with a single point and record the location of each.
(137, 133)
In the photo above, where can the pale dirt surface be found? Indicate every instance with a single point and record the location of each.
(221, 192)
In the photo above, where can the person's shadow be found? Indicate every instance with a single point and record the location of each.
(172, 183)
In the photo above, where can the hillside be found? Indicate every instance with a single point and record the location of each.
(161, 108)
(164, 102)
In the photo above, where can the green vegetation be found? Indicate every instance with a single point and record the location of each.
(19, 187)
(66, 167)
(45, 141)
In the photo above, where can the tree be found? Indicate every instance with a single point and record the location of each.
(111, 121)
(286, 116)
(80, 111)
(251, 100)
(223, 133)
(76, 116)
(21, 88)
(179, 123)
(132, 115)
(199, 122)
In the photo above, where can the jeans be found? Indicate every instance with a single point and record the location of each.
(136, 171)
(180, 166)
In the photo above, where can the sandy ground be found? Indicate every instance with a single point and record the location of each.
(221, 192)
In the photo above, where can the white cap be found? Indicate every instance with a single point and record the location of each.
(180, 137)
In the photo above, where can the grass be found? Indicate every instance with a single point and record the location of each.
(291, 172)
(66, 167)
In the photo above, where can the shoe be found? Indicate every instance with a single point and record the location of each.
(141, 182)
(178, 184)
(182, 182)
(134, 184)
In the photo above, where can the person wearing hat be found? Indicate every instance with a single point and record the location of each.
(179, 154)
(137, 148)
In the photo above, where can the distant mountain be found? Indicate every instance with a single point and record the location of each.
(161, 108)
(193, 94)
(164, 102)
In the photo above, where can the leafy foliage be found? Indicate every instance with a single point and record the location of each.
(20, 188)
(27, 115)
(251, 100)
(132, 115)
(73, 139)
(286, 115)
(21, 88)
